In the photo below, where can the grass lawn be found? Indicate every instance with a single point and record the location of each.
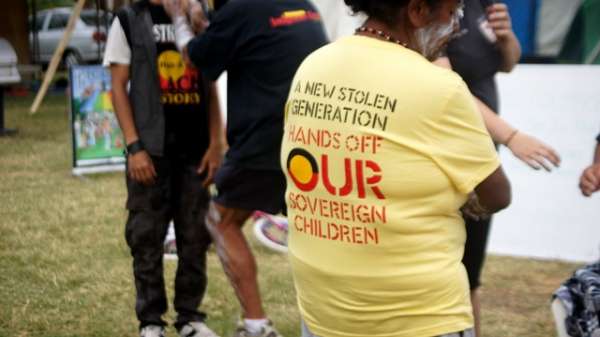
(65, 269)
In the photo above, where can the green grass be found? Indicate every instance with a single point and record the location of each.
(65, 269)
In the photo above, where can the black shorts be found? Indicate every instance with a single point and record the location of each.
(250, 189)
(475, 249)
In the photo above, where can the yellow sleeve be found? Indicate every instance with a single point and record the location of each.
(461, 145)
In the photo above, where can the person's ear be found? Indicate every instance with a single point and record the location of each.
(419, 13)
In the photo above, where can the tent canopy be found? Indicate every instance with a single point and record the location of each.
(582, 44)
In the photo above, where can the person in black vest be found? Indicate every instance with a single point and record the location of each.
(589, 183)
(172, 125)
(260, 43)
(486, 45)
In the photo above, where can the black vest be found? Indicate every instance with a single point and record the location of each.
(144, 92)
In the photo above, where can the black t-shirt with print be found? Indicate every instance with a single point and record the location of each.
(184, 92)
(474, 57)
(261, 44)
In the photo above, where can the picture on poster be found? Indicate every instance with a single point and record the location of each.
(97, 140)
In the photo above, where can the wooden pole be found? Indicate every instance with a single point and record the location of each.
(57, 56)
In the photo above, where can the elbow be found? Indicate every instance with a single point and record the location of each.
(511, 56)
(500, 201)
(503, 202)
(507, 68)
(119, 91)
(494, 193)
(510, 63)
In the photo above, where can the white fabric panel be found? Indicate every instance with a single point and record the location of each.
(548, 217)
(338, 18)
(554, 20)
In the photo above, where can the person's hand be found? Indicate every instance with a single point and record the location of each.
(590, 180)
(472, 208)
(198, 18)
(533, 152)
(174, 8)
(210, 163)
(499, 20)
(141, 168)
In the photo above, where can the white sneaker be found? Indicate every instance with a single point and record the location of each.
(196, 329)
(267, 330)
(152, 331)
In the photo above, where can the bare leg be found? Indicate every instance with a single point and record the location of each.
(225, 227)
(476, 311)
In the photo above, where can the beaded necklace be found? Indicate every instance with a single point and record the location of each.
(380, 33)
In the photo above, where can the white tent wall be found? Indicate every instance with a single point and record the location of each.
(554, 20)
(338, 18)
(549, 218)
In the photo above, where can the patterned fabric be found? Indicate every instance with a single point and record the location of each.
(580, 296)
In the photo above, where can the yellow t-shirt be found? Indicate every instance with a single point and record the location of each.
(380, 151)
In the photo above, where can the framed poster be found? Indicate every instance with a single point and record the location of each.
(97, 140)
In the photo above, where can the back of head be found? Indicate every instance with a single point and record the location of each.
(383, 10)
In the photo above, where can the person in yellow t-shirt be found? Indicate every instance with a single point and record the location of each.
(381, 149)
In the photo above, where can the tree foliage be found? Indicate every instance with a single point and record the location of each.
(44, 4)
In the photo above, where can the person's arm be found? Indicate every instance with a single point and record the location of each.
(590, 177)
(494, 192)
(490, 196)
(214, 154)
(176, 10)
(140, 166)
(501, 24)
(218, 47)
(527, 148)
(190, 22)
(117, 57)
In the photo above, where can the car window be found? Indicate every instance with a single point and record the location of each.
(90, 19)
(58, 21)
(39, 21)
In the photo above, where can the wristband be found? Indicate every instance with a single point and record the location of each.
(183, 32)
(134, 148)
(510, 137)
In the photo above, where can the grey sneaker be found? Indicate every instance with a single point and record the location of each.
(196, 329)
(267, 330)
(152, 331)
